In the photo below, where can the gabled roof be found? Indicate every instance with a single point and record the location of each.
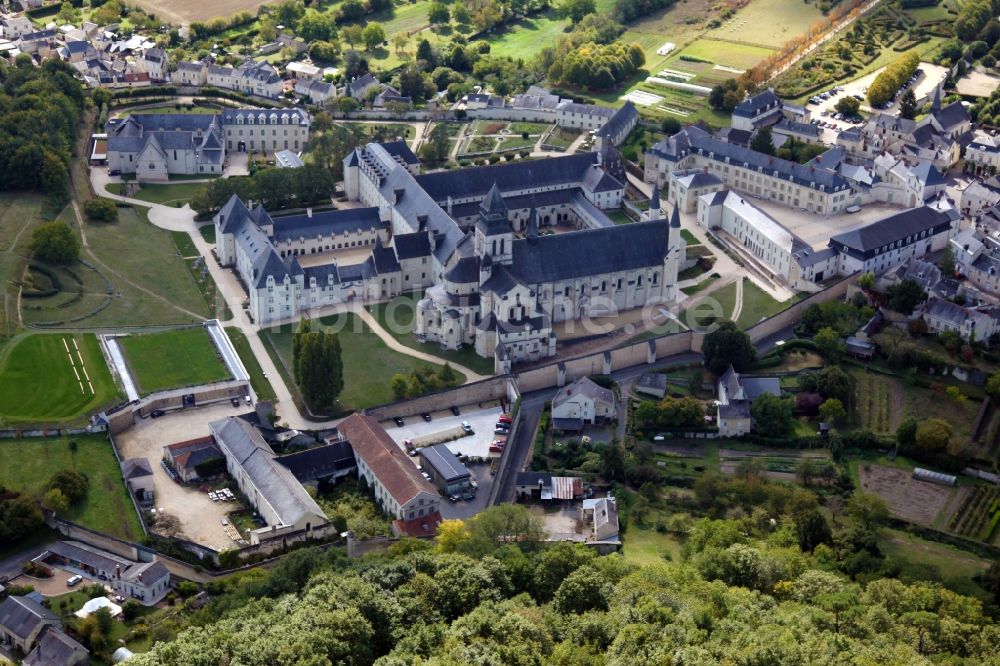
(952, 115)
(319, 461)
(326, 223)
(134, 468)
(891, 229)
(446, 463)
(754, 105)
(623, 117)
(411, 246)
(584, 386)
(146, 573)
(54, 648)
(21, 616)
(388, 463)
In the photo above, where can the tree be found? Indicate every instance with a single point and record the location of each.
(315, 26)
(906, 433)
(866, 281)
(908, 105)
(325, 51)
(727, 345)
(317, 359)
(55, 242)
(670, 126)
(772, 415)
(435, 149)
(101, 210)
(906, 295)
(438, 14)
(399, 384)
(762, 141)
(347, 104)
(577, 9)
(373, 36)
(829, 343)
(583, 590)
(54, 500)
(352, 34)
(19, 517)
(848, 105)
(399, 42)
(811, 530)
(832, 411)
(73, 485)
(946, 262)
(452, 535)
(680, 412)
(869, 510)
(613, 461)
(933, 434)
(502, 524)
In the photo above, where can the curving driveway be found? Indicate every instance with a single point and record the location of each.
(182, 219)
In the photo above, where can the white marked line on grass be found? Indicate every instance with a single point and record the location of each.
(72, 364)
(77, 348)
(81, 388)
(67, 348)
(77, 373)
(91, 387)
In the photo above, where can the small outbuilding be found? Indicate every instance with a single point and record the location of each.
(445, 469)
(921, 474)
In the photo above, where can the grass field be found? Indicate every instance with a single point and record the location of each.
(647, 546)
(41, 383)
(170, 194)
(955, 567)
(19, 214)
(184, 244)
(401, 310)
(368, 363)
(173, 359)
(757, 304)
(730, 54)
(726, 298)
(526, 38)
(769, 22)
(28, 464)
(261, 386)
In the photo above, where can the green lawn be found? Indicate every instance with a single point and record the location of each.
(757, 304)
(701, 286)
(618, 216)
(170, 108)
(173, 359)
(28, 464)
(368, 363)
(730, 54)
(390, 130)
(726, 298)
(261, 386)
(402, 309)
(19, 213)
(207, 232)
(646, 546)
(768, 22)
(39, 383)
(689, 237)
(184, 244)
(171, 194)
(955, 567)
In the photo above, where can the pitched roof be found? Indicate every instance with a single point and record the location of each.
(54, 648)
(586, 387)
(952, 115)
(752, 106)
(410, 246)
(88, 555)
(622, 118)
(444, 462)
(146, 572)
(134, 468)
(891, 229)
(21, 616)
(590, 252)
(326, 223)
(422, 526)
(319, 461)
(276, 484)
(388, 463)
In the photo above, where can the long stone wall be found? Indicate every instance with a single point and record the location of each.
(486, 390)
(791, 315)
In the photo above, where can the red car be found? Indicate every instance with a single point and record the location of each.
(497, 446)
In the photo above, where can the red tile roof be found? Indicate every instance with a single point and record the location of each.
(425, 526)
(393, 468)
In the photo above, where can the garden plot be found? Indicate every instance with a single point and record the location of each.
(642, 98)
(914, 501)
(777, 463)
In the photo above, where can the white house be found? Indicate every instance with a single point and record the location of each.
(582, 402)
(736, 395)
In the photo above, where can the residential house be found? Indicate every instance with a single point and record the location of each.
(22, 621)
(983, 152)
(185, 457)
(190, 74)
(977, 197)
(138, 476)
(582, 403)
(652, 383)
(318, 91)
(545, 487)
(147, 582)
(55, 648)
(736, 394)
(358, 88)
(583, 116)
(686, 187)
(757, 111)
(398, 486)
(303, 71)
(601, 515)
(156, 63)
(14, 27)
(942, 315)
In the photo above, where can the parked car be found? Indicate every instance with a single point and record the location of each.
(466, 426)
(156, 413)
(398, 421)
(468, 497)
(426, 417)
(119, 599)
(235, 402)
(426, 475)
(454, 410)
(114, 172)
(505, 418)
(497, 446)
(73, 580)
(659, 438)
(454, 498)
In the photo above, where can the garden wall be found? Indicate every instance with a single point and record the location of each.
(791, 315)
(485, 390)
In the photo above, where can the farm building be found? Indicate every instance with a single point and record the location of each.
(922, 474)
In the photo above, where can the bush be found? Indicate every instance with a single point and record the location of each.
(101, 210)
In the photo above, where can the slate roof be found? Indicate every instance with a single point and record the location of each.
(697, 178)
(357, 85)
(754, 387)
(295, 116)
(319, 461)
(694, 140)
(532, 479)
(952, 115)
(891, 229)
(21, 616)
(465, 271)
(88, 555)
(134, 468)
(926, 173)
(586, 387)
(275, 482)
(736, 409)
(619, 122)
(411, 246)
(54, 648)
(586, 109)
(400, 151)
(326, 223)
(754, 105)
(590, 252)
(384, 258)
(444, 462)
(146, 573)
(807, 129)
(388, 463)
(475, 182)
(939, 308)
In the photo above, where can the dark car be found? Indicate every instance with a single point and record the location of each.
(469, 496)
(454, 410)
(398, 421)
(425, 417)
(235, 402)
(156, 413)
(454, 498)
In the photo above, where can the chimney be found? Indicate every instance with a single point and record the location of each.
(309, 211)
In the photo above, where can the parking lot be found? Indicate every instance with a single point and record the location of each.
(199, 517)
(482, 420)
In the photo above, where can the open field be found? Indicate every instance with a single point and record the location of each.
(169, 194)
(261, 385)
(769, 22)
(28, 464)
(396, 317)
(368, 363)
(879, 402)
(183, 12)
(914, 501)
(173, 359)
(757, 305)
(527, 37)
(40, 382)
(737, 55)
(956, 567)
(647, 546)
(19, 214)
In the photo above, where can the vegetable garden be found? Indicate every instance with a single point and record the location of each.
(979, 516)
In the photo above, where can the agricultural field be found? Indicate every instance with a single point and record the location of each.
(53, 379)
(776, 464)
(173, 359)
(28, 464)
(768, 22)
(879, 402)
(914, 501)
(184, 12)
(978, 516)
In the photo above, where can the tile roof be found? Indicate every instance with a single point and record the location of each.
(388, 463)
(418, 527)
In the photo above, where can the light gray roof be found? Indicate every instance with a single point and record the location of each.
(134, 468)
(147, 572)
(54, 648)
(586, 387)
(275, 482)
(88, 555)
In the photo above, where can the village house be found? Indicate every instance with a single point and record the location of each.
(582, 403)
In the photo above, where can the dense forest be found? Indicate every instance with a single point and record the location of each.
(39, 111)
(491, 591)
